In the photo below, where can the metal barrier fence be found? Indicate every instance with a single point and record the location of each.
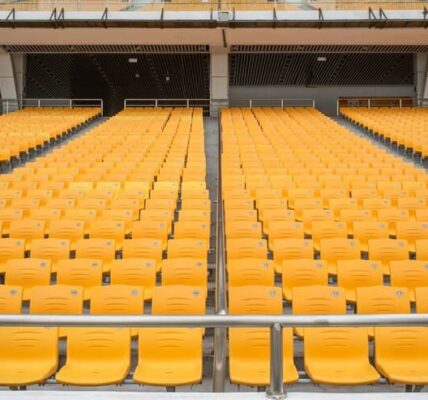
(275, 322)
(10, 105)
(155, 103)
(272, 103)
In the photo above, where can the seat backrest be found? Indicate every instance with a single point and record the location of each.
(10, 299)
(421, 297)
(116, 299)
(318, 300)
(170, 300)
(53, 249)
(194, 248)
(409, 274)
(304, 272)
(245, 248)
(333, 250)
(84, 272)
(255, 300)
(56, 299)
(250, 272)
(143, 248)
(421, 247)
(382, 300)
(71, 229)
(184, 271)
(100, 249)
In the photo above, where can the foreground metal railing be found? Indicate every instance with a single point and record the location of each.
(155, 103)
(275, 322)
(10, 105)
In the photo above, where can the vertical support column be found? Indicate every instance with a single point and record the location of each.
(219, 79)
(421, 74)
(19, 64)
(8, 88)
(276, 388)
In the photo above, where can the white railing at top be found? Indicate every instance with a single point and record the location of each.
(9, 105)
(155, 103)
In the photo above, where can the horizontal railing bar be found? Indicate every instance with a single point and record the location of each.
(215, 321)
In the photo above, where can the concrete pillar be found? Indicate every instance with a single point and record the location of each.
(219, 79)
(8, 84)
(421, 75)
(19, 68)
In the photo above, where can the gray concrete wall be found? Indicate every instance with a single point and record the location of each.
(325, 96)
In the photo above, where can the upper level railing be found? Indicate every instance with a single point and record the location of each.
(10, 105)
(204, 5)
(155, 103)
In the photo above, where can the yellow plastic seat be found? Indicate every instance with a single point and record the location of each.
(275, 215)
(327, 230)
(285, 230)
(194, 215)
(96, 356)
(421, 247)
(387, 250)
(25, 204)
(352, 274)
(411, 231)
(149, 229)
(250, 272)
(28, 230)
(291, 249)
(421, 214)
(28, 355)
(158, 215)
(10, 249)
(143, 248)
(382, 300)
(45, 214)
(51, 249)
(249, 348)
(349, 216)
(314, 215)
(333, 250)
(107, 229)
(10, 299)
(421, 296)
(83, 272)
(409, 274)
(81, 214)
(243, 229)
(97, 249)
(246, 248)
(191, 230)
(196, 204)
(239, 204)
(338, 205)
(313, 300)
(302, 272)
(70, 229)
(183, 248)
(28, 273)
(401, 353)
(139, 272)
(364, 231)
(391, 216)
(7, 215)
(61, 204)
(238, 215)
(117, 299)
(56, 299)
(338, 356)
(119, 215)
(185, 271)
(172, 356)
(412, 204)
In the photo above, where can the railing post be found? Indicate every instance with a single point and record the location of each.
(251, 103)
(38, 103)
(401, 102)
(102, 107)
(276, 389)
(369, 103)
(337, 108)
(282, 104)
(187, 103)
(7, 106)
(71, 103)
(156, 103)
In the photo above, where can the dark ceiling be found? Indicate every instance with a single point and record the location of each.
(113, 78)
(251, 69)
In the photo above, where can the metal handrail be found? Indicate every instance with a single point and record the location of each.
(127, 103)
(51, 102)
(275, 322)
(219, 367)
(283, 102)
